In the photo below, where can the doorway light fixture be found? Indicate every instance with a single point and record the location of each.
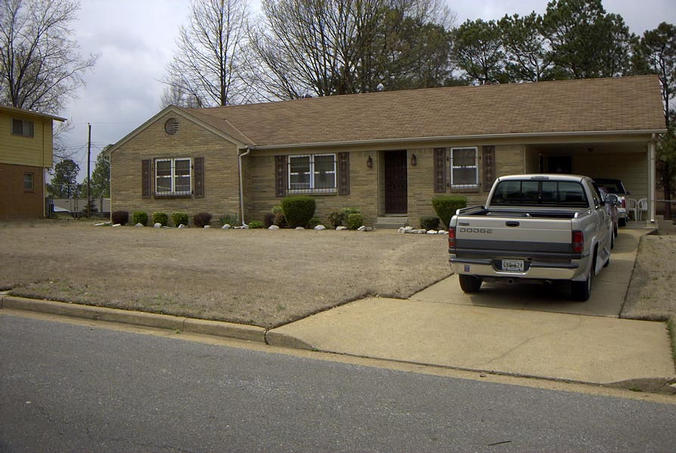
(369, 162)
(414, 160)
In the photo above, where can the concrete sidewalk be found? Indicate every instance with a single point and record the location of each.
(529, 330)
(589, 349)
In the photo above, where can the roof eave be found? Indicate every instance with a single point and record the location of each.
(459, 138)
(10, 109)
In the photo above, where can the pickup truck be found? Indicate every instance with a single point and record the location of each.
(540, 227)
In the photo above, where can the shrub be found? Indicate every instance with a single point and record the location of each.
(354, 221)
(429, 222)
(230, 219)
(161, 218)
(314, 222)
(298, 210)
(139, 217)
(446, 205)
(280, 220)
(121, 217)
(268, 219)
(254, 224)
(336, 219)
(179, 218)
(347, 211)
(202, 219)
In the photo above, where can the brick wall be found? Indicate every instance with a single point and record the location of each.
(15, 201)
(221, 182)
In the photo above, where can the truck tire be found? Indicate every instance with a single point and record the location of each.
(582, 290)
(469, 283)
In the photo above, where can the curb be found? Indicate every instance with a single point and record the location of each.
(138, 318)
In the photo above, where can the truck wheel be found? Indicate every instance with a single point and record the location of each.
(582, 290)
(622, 222)
(469, 283)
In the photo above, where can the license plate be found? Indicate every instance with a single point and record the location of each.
(512, 265)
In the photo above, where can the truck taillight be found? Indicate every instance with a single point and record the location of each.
(624, 204)
(451, 237)
(578, 242)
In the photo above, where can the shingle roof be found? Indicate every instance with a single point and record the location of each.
(610, 104)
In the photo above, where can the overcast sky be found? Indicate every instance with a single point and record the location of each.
(135, 40)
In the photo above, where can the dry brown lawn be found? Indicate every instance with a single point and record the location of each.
(651, 293)
(258, 277)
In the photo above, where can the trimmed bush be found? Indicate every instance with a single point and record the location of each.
(446, 205)
(280, 220)
(298, 210)
(202, 219)
(314, 222)
(347, 211)
(161, 218)
(354, 221)
(230, 219)
(255, 224)
(336, 219)
(268, 219)
(121, 217)
(429, 222)
(139, 217)
(179, 218)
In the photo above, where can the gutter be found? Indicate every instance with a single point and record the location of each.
(461, 137)
(241, 184)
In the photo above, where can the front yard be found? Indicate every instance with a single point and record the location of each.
(257, 277)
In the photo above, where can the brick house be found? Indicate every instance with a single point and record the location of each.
(388, 153)
(25, 155)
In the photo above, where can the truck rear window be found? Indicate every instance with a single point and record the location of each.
(539, 193)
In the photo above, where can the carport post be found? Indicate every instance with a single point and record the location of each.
(651, 178)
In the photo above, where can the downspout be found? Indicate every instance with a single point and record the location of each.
(241, 185)
(651, 177)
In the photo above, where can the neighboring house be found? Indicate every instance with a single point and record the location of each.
(388, 153)
(25, 156)
(79, 205)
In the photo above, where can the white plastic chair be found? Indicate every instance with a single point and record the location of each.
(632, 206)
(642, 206)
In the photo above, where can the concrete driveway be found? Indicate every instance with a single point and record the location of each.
(530, 330)
(608, 292)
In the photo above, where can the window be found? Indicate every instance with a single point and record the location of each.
(28, 182)
(172, 176)
(312, 173)
(464, 168)
(539, 193)
(23, 128)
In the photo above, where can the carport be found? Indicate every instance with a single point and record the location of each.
(625, 155)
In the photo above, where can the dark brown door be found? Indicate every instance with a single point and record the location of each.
(395, 182)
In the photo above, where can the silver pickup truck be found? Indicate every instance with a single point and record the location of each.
(542, 227)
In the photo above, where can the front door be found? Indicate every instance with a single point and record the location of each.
(396, 192)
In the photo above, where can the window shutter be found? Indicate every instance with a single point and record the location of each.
(440, 170)
(281, 175)
(199, 177)
(487, 167)
(343, 173)
(146, 178)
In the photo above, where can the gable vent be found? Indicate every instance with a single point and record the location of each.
(171, 126)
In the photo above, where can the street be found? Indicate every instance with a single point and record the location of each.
(67, 387)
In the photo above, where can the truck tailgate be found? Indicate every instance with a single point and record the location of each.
(513, 235)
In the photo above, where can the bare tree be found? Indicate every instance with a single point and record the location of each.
(205, 68)
(326, 47)
(40, 67)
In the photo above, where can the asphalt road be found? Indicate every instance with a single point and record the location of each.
(69, 387)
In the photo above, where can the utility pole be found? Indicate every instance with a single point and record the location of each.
(89, 163)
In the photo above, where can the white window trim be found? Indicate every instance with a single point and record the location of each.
(172, 176)
(312, 187)
(475, 166)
